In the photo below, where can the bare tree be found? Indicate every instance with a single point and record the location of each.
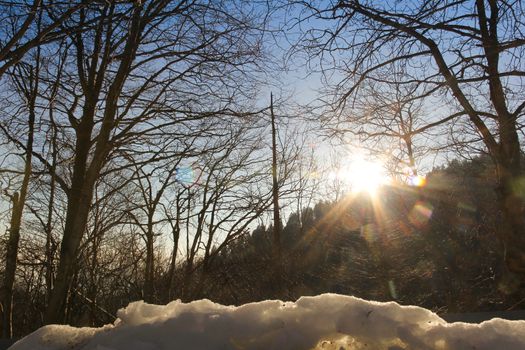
(277, 245)
(174, 214)
(463, 55)
(229, 196)
(26, 25)
(153, 180)
(26, 78)
(113, 94)
(388, 121)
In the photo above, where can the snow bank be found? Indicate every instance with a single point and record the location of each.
(328, 321)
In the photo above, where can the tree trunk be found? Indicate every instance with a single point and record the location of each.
(512, 226)
(6, 291)
(176, 235)
(277, 250)
(79, 200)
(186, 290)
(50, 247)
(92, 289)
(173, 267)
(50, 244)
(85, 173)
(76, 220)
(150, 260)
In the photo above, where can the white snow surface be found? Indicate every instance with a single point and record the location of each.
(327, 321)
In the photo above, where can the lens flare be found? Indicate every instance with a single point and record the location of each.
(392, 289)
(417, 180)
(361, 175)
(370, 232)
(421, 213)
(187, 175)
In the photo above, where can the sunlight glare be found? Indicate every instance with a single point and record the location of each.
(364, 175)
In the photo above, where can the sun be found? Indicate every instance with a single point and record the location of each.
(364, 175)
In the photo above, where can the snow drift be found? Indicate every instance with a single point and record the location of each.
(328, 321)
